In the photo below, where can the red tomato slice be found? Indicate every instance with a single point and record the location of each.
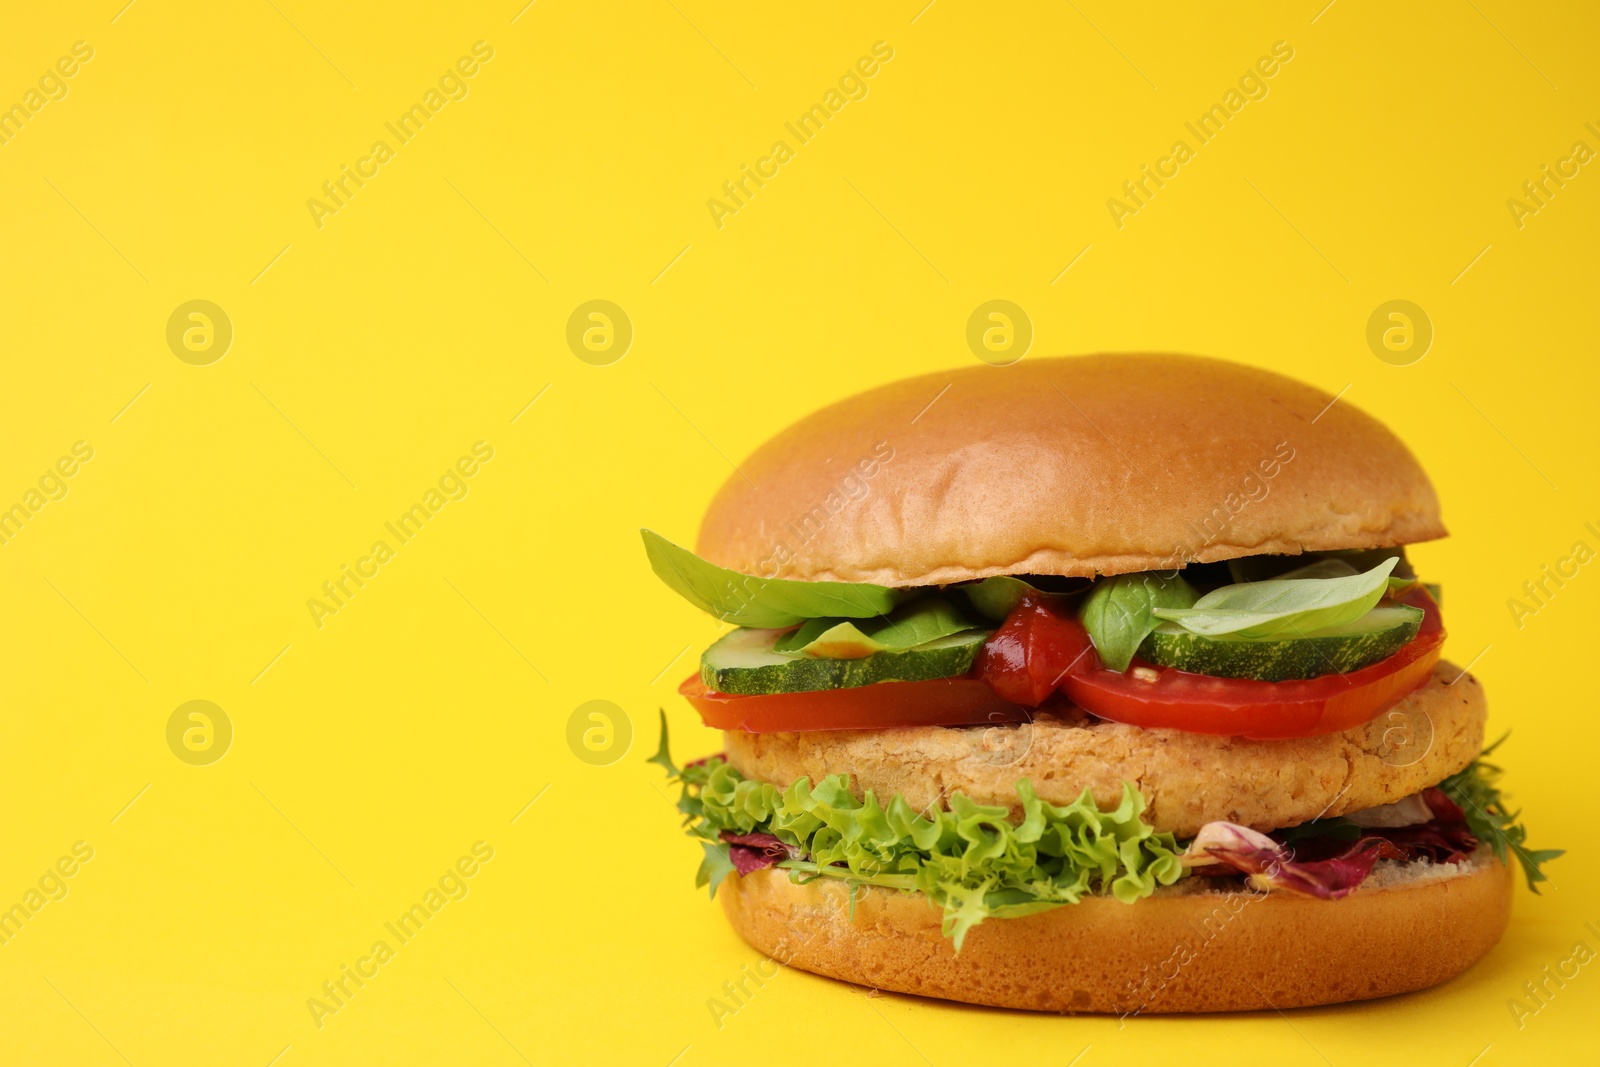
(1261, 710)
(965, 701)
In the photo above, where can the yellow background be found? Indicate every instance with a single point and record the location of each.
(424, 316)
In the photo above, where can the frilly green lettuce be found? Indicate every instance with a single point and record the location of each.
(973, 861)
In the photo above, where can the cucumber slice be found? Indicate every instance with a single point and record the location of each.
(1335, 650)
(744, 662)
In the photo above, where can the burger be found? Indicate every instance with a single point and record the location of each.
(1094, 684)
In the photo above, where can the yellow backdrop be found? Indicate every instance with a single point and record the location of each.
(284, 281)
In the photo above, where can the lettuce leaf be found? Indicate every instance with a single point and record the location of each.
(973, 861)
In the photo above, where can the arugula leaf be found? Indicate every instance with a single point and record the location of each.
(972, 860)
(1284, 606)
(914, 624)
(714, 867)
(745, 600)
(1473, 788)
(1120, 612)
(663, 757)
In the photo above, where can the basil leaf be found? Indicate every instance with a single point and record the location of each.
(1322, 568)
(909, 626)
(1260, 568)
(1120, 612)
(1284, 606)
(745, 600)
(995, 598)
(1339, 567)
(1367, 558)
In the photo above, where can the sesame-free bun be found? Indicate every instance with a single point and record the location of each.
(1187, 779)
(1187, 949)
(1102, 464)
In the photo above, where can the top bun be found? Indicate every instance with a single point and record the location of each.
(1078, 466)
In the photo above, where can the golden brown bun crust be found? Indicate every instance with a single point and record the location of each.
(1188, 779)
(1175, 952)
(1075, 466)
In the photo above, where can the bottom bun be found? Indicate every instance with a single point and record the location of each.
(1187, 949)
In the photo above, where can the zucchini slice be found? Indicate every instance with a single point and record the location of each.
(1377, 635)
(744, 662)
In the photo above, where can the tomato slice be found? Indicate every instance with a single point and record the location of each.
(1261, 710)
(965, 701)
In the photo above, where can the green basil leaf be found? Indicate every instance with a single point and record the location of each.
(745, 600)
(1284, 606)
(1260, 568)
(1340, 567)
(1120, 612)
(914, 624)
(1333, 567)
(1363, 559)
(995, 598)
